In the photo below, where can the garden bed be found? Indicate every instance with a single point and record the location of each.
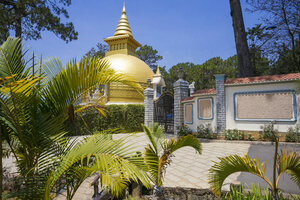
(179, 193)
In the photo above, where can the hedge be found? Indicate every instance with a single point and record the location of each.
(127, 118)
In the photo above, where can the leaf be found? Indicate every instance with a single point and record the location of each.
(232, 164)
(113, 160)
(289, 162)
(159, 151)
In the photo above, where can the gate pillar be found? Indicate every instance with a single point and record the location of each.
(149, 105)
(220, 102)
(181, 90)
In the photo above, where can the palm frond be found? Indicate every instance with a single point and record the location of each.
(155, 134)
(151, 138)
(289, 162)
(171, 145)
(152, 161)
(52, 67)
(74, 178)
(232, 164)
(113, 160)
(99, 106)
(12, 59)
(23, 86)
(187, 141)
(158, 152)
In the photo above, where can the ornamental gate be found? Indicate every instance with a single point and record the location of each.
(164, 111)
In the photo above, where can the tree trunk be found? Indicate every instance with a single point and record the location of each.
(245, 67)
(18, 28)
(18, 33)
(275, 190)
(136, 190)
(275, 196)
(157, 192)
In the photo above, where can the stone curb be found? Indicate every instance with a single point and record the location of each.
(249, 142)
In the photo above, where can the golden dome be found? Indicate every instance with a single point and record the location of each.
(123, 59)
(130, 65)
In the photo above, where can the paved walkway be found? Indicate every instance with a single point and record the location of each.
(189, 169)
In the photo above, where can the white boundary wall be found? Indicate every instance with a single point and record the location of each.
(255, 125)
(245, 125)
(196, 120)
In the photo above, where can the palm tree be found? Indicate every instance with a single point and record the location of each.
(288, 162)
(35, 100)
(114, 160)
(160, 150)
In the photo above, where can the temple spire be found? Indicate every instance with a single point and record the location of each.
(124, 9)
(123, 27)
(122, 42)
(157, 71)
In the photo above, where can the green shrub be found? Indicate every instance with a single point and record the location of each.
(269, 131)
(130, 198)
(250, 137)
(293, 135)
(127, 118)
(205, 131)
(184, 131)
(234, 135)
(134, 117)
(255, 193)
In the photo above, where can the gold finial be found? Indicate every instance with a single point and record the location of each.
(157, 70)
(123, 27)
(124, 9)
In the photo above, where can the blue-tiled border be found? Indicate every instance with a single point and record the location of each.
(185, 113)
(212, 108)
(267, 91)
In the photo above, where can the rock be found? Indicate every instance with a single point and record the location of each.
(177, 193)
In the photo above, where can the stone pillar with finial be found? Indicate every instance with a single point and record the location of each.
(192, 88)
(181, 90)
(149, 104)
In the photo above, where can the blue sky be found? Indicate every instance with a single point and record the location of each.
(181, 30)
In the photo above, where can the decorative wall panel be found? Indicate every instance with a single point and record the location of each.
(265, 105)
(205, 108)
(189, 113)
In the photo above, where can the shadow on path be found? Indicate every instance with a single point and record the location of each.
(266, 153)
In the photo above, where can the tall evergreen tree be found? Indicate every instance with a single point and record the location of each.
(149, 55)
(283, 17)
(98, 52)
(29, 17)
(257, 38)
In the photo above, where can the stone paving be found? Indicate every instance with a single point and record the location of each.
(189, 169)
